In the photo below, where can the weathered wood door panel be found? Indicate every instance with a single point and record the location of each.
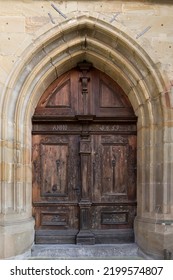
(56, 181)
(84, 161)
(114, 187)
(114, 166)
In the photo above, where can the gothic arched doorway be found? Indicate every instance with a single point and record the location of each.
(84, 161)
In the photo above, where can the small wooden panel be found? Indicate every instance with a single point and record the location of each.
(114, 218)
(108, 98)
(54, 166)
(112, 100)
(55, 236)
(61, 96)
(53, 158)
(114, 169)
(57, 224)
(85, 146)
(55, 219)
(118, 216)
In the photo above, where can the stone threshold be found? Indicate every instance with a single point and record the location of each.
(98, 251)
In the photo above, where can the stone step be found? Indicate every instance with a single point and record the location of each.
(98, 251)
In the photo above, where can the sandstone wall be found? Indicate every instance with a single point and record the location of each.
(131, 41)
(21, 22)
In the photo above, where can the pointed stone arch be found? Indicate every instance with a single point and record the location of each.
(53, 53)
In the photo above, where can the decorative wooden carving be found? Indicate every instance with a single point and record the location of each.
(84, 161)
(55, 219)
(54, 162)
(114, 218)
(84, 81)
(84, 67)
(85, 146)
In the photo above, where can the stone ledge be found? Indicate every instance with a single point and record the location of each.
(98, 251)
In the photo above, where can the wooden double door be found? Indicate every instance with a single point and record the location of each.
(84, 161)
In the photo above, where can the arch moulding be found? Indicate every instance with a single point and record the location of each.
(53, 53)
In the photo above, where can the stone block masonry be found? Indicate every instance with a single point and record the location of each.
(132, 42)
